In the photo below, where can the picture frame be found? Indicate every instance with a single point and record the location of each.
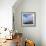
(28, 19)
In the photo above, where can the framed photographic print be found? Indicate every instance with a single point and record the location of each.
(28, 19)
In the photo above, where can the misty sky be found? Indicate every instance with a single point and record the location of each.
(27, 18)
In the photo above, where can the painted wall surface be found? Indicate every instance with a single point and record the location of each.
(34, 33)
(6, 16)
(43, 22)
(6, 13)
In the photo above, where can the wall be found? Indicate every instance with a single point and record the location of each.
(33, 33)
(6, 13)
(43, 22)
(6, 16)
(17, 15)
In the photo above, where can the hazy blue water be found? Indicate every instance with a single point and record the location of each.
(27, 18)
